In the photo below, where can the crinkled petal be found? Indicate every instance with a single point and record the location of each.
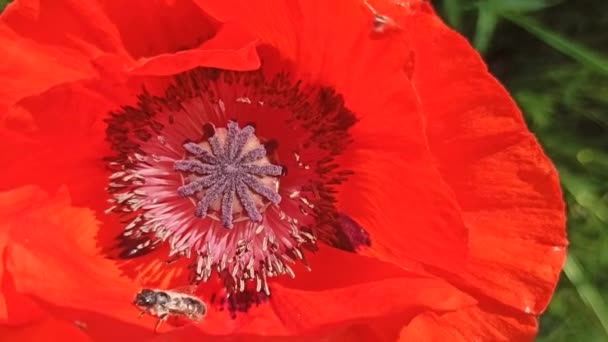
(73, 33)
(471, 324)
(506, 186)
(154, 27)
(382, 329)
(45, 329)
(62, 130)
(15, 308)
(77, 40)
(228, 49)
(52, 257)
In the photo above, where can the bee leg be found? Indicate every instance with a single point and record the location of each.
(160, 320)
(141, 314)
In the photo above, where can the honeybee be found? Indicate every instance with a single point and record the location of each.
(163, 303)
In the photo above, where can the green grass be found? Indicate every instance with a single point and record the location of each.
(551, 55)
(3, 4)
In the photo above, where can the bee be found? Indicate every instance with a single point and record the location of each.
(162, 304)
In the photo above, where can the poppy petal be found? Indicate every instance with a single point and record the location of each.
(382, 329)
(149, 28)
(53, 66)
(59, 246)
(408, 295)
(58, 53)
(15, 308)
(79, 37)
(45, 329)
(93, 27)
(62, 130)
(56, 262)
(242, 55)
(409, 218)
(506, 186)
(471, 324)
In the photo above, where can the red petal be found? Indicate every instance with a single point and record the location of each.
(62, 132)
(59, 246)
(229, 49)
(404, 296)
(15, 308)
(72, 42)
(52, 255)
(383, 329)
(471, 324)
(148, 28)
(507, 188)
(138, 28)
(46, 329)
(57, 45)
(53, 66)
(410, 215)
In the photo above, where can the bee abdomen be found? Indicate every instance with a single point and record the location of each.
(195, 306)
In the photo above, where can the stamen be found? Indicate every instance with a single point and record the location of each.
(228, 175)
(226, 171)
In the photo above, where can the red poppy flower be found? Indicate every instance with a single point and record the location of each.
(360, 148)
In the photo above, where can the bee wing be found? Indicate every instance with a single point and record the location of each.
(188, 289)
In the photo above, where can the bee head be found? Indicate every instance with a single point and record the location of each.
(145, 298)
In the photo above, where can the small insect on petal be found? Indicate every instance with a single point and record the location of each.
(382, 22)
(164, 303)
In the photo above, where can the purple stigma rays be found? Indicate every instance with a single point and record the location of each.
(230, 173)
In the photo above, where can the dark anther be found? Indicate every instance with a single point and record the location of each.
(350, 235)
(143, 135)
(283, 170)
(208, 130)
(271, 146)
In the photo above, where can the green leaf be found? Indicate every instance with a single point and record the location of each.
(486, 25)
(576, 51)
(587, 292)
(521, 6)
(3, 4)
(453, 12)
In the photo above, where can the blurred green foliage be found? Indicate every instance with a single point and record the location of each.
(552, 56)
